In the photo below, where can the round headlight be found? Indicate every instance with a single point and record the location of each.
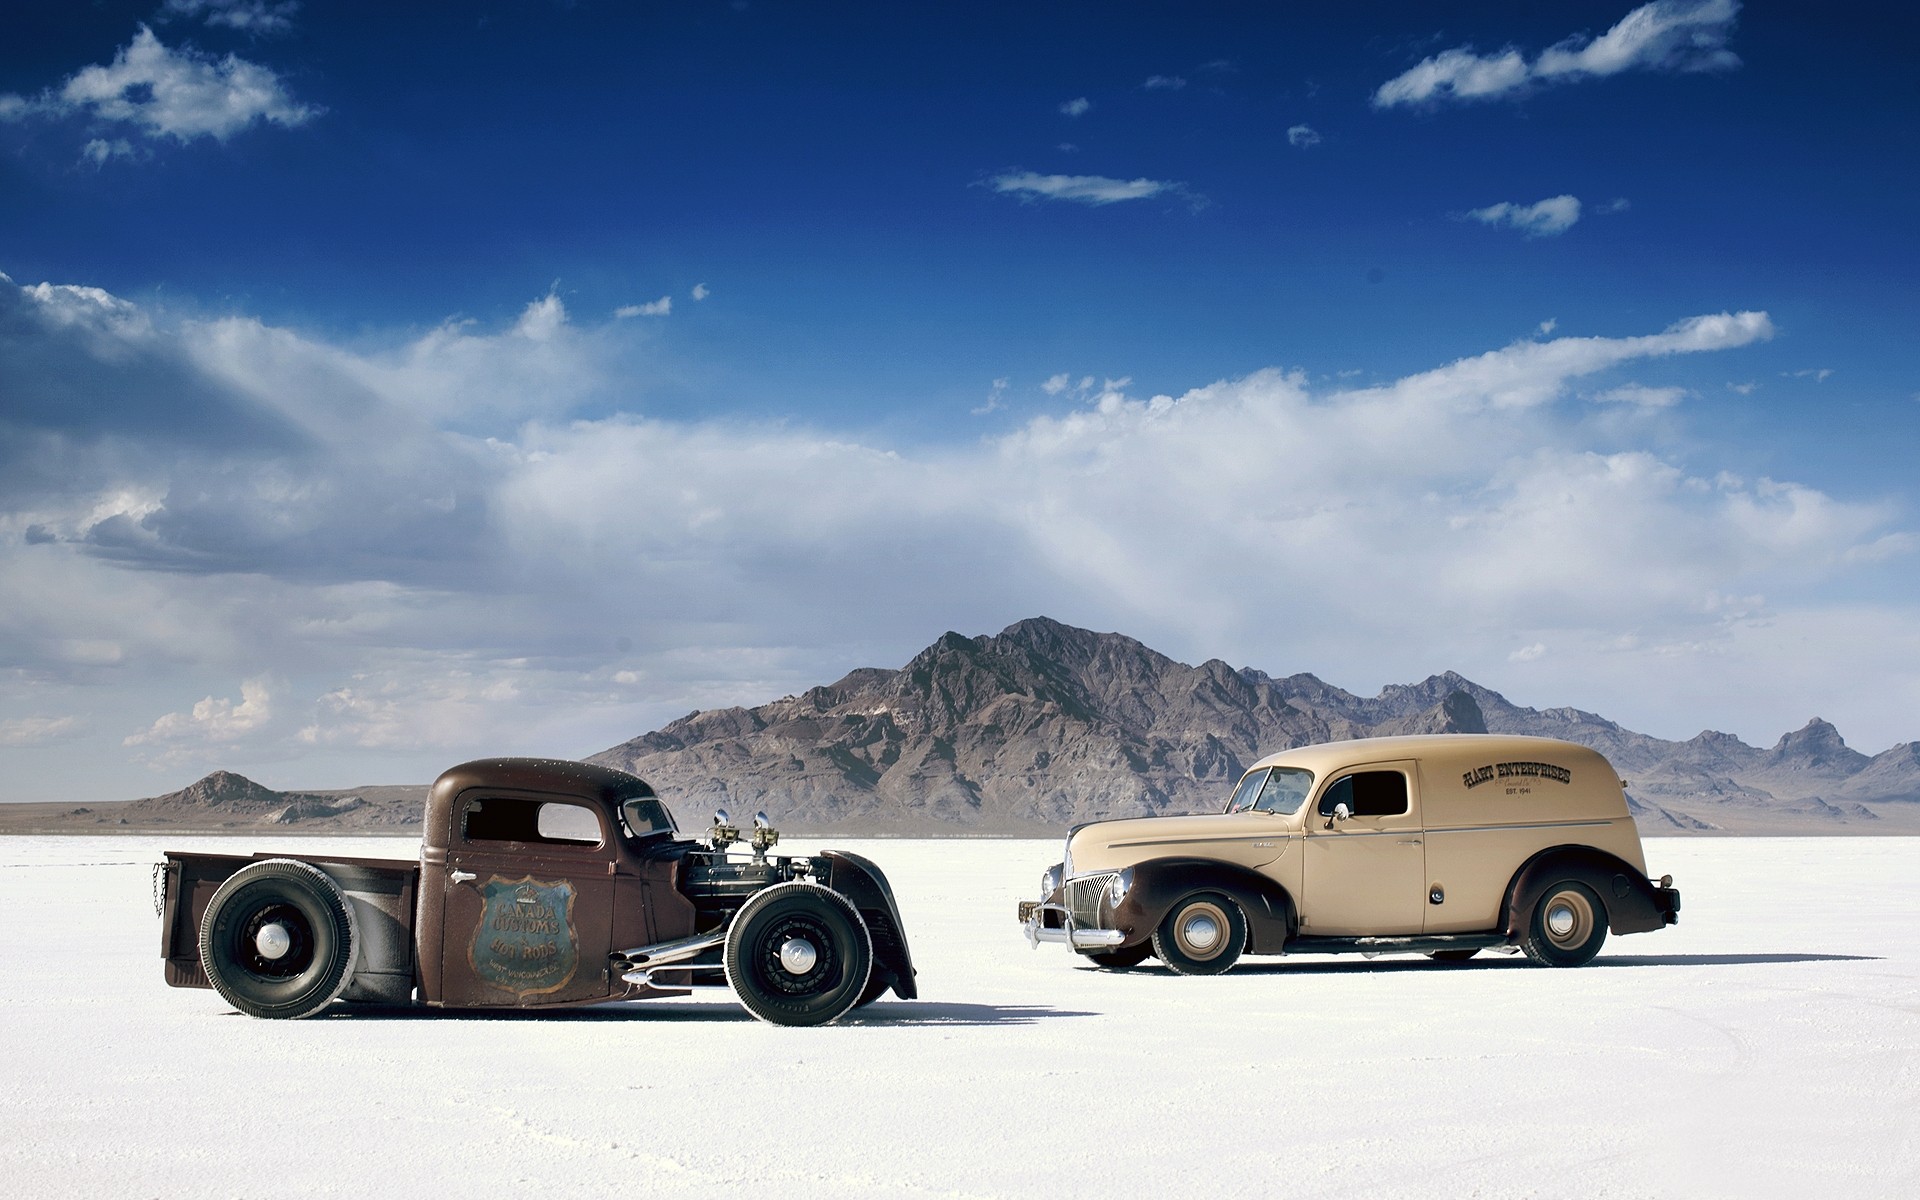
(1117, 888)
(1049, 883)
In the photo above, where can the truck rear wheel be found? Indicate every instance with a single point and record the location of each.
(1568, 925)
(278, 939)
(1203, 935)
(798, 954)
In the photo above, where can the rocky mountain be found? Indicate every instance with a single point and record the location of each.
(1044, 725)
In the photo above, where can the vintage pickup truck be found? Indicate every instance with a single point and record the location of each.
(540, 883)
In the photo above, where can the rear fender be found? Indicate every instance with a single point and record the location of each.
(1634, 903)
(1161, 883)
(860, 881)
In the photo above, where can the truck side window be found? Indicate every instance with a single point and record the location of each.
(507, 819)
(1368, 794)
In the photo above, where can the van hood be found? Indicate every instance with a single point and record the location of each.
(1250, 839)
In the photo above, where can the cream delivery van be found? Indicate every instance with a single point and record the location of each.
(1443, 845)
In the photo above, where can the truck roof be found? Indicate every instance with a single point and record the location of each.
(549, 776)
(1440, 750)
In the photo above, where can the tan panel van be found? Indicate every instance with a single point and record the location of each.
(1444, 845)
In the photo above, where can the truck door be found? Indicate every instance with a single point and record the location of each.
(529, 902)
(1366, 875)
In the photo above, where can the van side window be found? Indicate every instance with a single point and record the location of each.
(506, 819)
(1368, 794)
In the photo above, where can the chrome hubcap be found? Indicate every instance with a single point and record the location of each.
(273, 941)
(797, 956)
(1561, 919)
(1200, 932)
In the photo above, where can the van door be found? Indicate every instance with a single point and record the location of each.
(529, 903)
(1366, 875)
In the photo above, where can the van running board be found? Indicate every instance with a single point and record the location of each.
(1394, 945)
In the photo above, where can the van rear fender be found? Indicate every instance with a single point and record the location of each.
(1160, 883)
(1633, 902)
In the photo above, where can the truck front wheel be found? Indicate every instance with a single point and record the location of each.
(1568, 926)
(798, 954)
(278, 939)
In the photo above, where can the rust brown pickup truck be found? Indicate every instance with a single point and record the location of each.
(540, 883)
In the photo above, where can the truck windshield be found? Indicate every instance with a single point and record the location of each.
(646, 816)
(1280, 790)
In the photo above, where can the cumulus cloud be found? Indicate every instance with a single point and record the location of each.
(1302, 136)
(1083, 189)
(181, 94)
(429, 546)
(1546, 218)
(1668, 35)
(1076, 107)
(211, 723)
(652, 308)
(701, 291)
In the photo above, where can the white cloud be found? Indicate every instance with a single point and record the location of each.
(1528, 653)
(166, 93)
(1548, 326)
(996, 398)
(1642, 397)
(100, 151)
(1302, 136)
(1076, 107)
(653, 308)
(1547, 218)
(212, 722)
(701, 291)
(1082, 189)
(248, 16)
(37, 731)
(1817, 374)
(1164, 83)
(1668, 35)
(433, 554)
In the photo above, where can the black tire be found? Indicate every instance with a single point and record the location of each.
(1567, 927)
(243, 957)
(1453, 956)
(1120, 960)
(826, 985)
(1203, 935)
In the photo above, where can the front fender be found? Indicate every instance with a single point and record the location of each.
(1635, 904)
(860, 881)
(1160, 883)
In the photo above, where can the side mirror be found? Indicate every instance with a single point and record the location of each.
(1340, 813)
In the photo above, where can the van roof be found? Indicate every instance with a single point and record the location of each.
(1445, 747)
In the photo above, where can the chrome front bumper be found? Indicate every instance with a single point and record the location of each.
(1033, 920)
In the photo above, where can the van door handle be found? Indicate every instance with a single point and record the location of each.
(1409, 841)
(458, 876)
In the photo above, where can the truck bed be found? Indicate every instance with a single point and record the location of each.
(381, 890)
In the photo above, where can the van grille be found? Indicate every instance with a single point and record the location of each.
(1083, 898)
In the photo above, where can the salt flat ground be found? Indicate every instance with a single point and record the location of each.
(1768, 1045)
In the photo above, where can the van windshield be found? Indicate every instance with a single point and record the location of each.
(1279, 790)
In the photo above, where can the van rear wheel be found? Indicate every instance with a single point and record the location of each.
(1567, 927)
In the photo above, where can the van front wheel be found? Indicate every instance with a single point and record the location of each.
(1203, 935)
(1568, 926)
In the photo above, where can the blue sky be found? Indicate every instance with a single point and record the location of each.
(379, 389)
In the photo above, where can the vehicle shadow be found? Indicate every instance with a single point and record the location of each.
(883, 1012)
(1517, 962)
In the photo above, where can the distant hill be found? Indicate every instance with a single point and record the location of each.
(1044, 725)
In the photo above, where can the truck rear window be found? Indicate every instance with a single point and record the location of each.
(509, 819)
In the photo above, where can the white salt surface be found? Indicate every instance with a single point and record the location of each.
(1769, 1045)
